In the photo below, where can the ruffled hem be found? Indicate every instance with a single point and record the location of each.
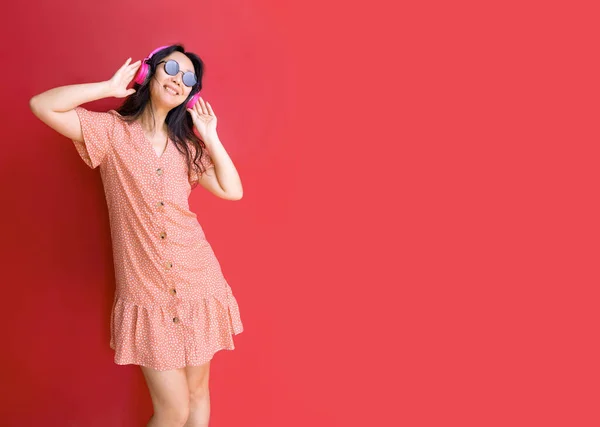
(186, 334)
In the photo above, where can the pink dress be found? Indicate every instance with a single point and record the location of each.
(172, 305)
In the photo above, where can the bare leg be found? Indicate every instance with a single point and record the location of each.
(197, 379)
(170, 397)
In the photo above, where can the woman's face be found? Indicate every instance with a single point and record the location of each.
(169, 91)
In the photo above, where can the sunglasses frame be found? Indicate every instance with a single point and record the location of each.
(179, 71)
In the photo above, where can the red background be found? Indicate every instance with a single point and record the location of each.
(418, 240)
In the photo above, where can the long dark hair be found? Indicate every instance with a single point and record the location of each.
(180, 127)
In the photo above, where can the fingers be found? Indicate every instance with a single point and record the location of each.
(202, 105)
(206, 108)
(210, 110)
(133, 70)
(128, 65)
(133, 67)
(128, 69)
(125, 64)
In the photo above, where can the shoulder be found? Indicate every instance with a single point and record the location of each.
(118, 121)
(98, 118)
(115, 116)
(99, 122)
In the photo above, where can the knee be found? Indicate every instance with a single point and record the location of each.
(174, 415)
(180, 414)
(199, 394)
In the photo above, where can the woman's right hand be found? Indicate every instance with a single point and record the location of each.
(117, 85)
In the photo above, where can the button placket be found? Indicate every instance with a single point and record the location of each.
(163, 236)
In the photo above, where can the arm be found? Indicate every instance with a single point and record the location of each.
(223, 179)
(55, 107)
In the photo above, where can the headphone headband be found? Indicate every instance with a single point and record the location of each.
(154, 51)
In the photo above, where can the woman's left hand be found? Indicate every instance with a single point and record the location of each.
(205, 120)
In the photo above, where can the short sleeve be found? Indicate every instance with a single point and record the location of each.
(97, 129)
(206, 162)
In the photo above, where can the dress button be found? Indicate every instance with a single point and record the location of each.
(160, 204)
(173, 291)
(169, 265)
(159, 171)
(163, 235)
(175, 319)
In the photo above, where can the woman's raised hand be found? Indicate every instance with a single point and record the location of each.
(117, 85)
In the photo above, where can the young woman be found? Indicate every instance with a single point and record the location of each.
(173, 309)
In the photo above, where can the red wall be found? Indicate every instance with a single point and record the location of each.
(418, 240)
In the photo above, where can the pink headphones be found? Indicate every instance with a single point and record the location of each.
(144, 70)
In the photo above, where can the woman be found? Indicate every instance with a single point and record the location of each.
(173, 309)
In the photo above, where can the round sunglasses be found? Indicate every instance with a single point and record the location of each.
(172, 69)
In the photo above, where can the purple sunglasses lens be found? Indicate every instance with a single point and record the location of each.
(189, 79)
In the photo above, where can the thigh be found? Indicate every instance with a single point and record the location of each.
(168, 389)
(197, 379)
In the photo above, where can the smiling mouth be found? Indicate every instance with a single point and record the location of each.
(171, 91)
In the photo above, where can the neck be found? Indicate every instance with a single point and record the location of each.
(153, 122)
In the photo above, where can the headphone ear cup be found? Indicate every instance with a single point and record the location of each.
(193, 100)
(142, 73)
(144, 69)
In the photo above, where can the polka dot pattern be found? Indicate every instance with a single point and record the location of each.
(172, 305)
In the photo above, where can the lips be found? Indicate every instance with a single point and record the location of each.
(171, 90)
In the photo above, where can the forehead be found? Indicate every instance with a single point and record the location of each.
(184, 62)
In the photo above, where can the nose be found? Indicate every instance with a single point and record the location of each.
(177, 78)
